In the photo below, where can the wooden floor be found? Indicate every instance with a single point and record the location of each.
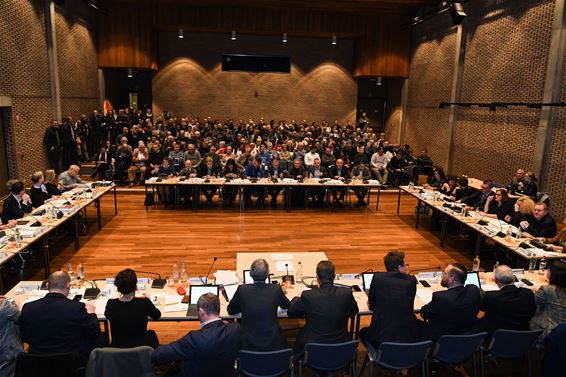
(355, 239)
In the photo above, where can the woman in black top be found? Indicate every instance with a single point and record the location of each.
(128, 314)
(50, 184)
(501, 208)
(437, 180)
(529, 187)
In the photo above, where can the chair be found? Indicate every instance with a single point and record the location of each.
(69, 364)
(510, 344)
(112, 361)
(457, 349)
(265, 364)
(329, 357)
(398, 356)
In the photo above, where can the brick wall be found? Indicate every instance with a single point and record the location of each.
(190, 80)
(24, 76)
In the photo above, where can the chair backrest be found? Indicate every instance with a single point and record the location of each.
(456, 349)
(69, 364)
(265, 364)
(510, 344)
(330, 357)
(108, 361)
(399, 356)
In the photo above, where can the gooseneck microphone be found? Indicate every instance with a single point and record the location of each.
(209, 270)
(158, 283)
(288, 278)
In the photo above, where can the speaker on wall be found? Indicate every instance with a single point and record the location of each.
(256, 63)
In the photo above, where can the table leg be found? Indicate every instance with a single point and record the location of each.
(106, 331)
(418, 213)
(115, 202)
(398, 200)
(99, 219)
(77, 245)
(478, 243)
(444, 223)
(46, 256)
(241, 195)
(378, 195)
(358, 324)
(288, 196)
(146, 203)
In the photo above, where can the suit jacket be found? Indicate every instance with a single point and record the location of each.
(391, 297)
(38, 196)
(345, 172)
(208, 352)
(56, 324)
(451, 312)
(258, 304)
(293, 172)
(477, 199)
(327, 310)
(323, 172)
(14, 209)
(203, 170)
(366, 173)
(509, 308)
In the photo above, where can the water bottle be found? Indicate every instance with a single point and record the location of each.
(495, 265)
(175, 272)
(532, 263)
(80, 271)
(411, 185)
(542, 265)
(299, 272)
(70, 272)
(476, 263)
(17, 237)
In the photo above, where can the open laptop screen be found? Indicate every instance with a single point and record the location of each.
(473, 278)
(367, 277)
(249, 280)
(196, 291)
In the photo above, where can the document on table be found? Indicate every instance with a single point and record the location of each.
(226, 277)
(284, 265)
(101, 305)
(425, 295)
(175, 308)
(230, 291)
(281, 256)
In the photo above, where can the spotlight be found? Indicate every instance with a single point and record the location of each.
(457, 12)
(333, 39)
(130, 73)
(233, 35)
(181, 36)
(284, 40)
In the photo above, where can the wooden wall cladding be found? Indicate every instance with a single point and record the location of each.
(127, 34)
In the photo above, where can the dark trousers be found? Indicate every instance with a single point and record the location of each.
(259, 192)
(274, 192)
(361, 194)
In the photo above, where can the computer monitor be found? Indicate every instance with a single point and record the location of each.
(367, 277)
(473, 278)
(249, 280)
(195, 291)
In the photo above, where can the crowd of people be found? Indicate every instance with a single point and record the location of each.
(212, 350)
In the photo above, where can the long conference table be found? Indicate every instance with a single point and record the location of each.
(36, 228)
(287, 186)
(485, 227)
(168, 301)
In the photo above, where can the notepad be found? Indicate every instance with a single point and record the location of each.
(425, 295)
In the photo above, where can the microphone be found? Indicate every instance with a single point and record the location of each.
(158, 283)
(93, 292)
(288, 278)
(59, 212)
(363, 272)
(209, 270)
(425, 269)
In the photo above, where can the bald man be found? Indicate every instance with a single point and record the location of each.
(56, 324)
(510, 307)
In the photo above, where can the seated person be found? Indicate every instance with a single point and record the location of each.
(517, 178)
(541, 224)
(194, 155)
(327, 159)
(424, 162)
(411, 164)
(210, 351)
(38, 193)
(449, 187)
(378, 165)
(264, 155)
(462, 189)
(254, 170)
(316, 171)
(11, 344)
(361, 171)
(453, 311)
(156, 156)
(436, 181)
(216, 158)
(50, 183)
(478, 198)
(326, 309)
(123, 161)
(208, 171)
(391, 297)
(18, 203)
(258, 303)
(524, 209)
(140, 157)
(128, 314)
(177, 157)
(186, 192)
(360, 156)
(528, 186)
(557, 243)
(509, 308)
(397, 168)
(103, 160)
(231, 171)
(70, 179)
(275, 172)
(551, 300)
(56, 324)
(501, 208)
(339, 172)
(165, 171)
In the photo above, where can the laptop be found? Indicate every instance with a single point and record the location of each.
(195, 291)
(473, 278)
(367, 277)
(249, 280)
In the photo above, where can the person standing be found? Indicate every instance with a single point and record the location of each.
(53, 141)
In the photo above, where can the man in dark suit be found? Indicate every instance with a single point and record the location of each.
(479, 198)
(361, 171)
(258, 303)
(453, 311)
(55, 324)
(509, 308)
(326, 309)
(297, 171)
(316, 171)
(339, 172)
(391, 297)
(18, 203)
(208, 352)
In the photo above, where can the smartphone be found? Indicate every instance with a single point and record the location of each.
(424, 283)
(185, 300)
(527, 282)
(356, 288)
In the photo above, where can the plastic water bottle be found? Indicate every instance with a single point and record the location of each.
(299, 272)
(175, 272)
(532, 263)
(476, 264)
(80, 271)
(17, 237)
(495, 265)
(411, 185)
(542, 265)
(71, 272)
